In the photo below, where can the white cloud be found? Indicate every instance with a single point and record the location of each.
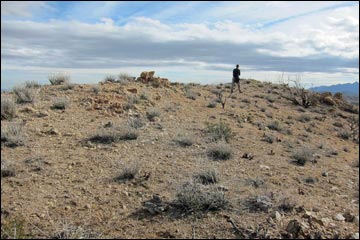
(22, 8)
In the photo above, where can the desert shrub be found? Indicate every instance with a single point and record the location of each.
(304, 118)
(67, 86)
(269, 138)
(344, 134)
(110, 78)
(95, 89)
(301, 96)
(144, 96)
(152, 113)
(14, 228)
(60, 103)
(125, 78)
(220, 131)
(245, 100)
(131, 101)
(12, 135)
(219, 151)
(128, 172)
(7, 169)
(8, 108)
(287, 204)
(184, 140)
(303, 155)
(32, 84)
(113, 134)
(192, 197)
(208, 176)
(136, 123)
(275, 125)
(211, 104)
(259, 203)
(338, 124)
(190, 94)
(58, 79)
(25, 95)
(270, 99)
(65, 230)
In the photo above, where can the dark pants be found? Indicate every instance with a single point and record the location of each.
(235, 80)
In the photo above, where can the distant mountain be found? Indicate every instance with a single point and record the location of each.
(347, 88)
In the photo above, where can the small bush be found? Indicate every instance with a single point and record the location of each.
(338, 124)
(136, 123)
(128, 172)
(220, 131)
(114, 134)
(184, 140)
(58, 79)
(303, 155)
(190, 94)
(12, 135)
(7, 170)
(8, 108)
(152, 113)
(144, 96)
(110, 78)
(287, 204)
(66, 230)
(275, 125)
(269, 138)
(24, 94)
(60, 103)
(245, 100)
(32, 84)
(304, 118)
(125, 78)
(206, 177)
(211, 105)
(131, 101)
(67, 86)
(344, 134)
(219, 151)
(192, 197)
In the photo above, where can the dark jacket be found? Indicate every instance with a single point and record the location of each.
(236, 73)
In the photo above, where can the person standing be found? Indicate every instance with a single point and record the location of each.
(236, 78)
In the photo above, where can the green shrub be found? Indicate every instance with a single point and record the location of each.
(219, 151)
(220, 131)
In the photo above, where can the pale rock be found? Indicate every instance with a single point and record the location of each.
(339, 217)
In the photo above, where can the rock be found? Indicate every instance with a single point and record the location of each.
(325, 221)
(349, 217)
(42, 114)
(276, 215)
(264, 167)
(132, 90)
(353, 236)
(28, 110)
(339, 217)
(296, 228)
(263, 203)
(356, 220)
(87, 206)
(325, 174)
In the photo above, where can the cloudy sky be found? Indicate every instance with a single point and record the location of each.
(183, 41)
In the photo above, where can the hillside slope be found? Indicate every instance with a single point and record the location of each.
(64, 179)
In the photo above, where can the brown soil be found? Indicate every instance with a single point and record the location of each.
(63, 179)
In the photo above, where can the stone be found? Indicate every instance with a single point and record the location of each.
(349, 217)
(28, 110)
(132, 90)
(264, 167)
(276, 215)
(325, 221)
(356, 220)
(295, 228)
(339, 217)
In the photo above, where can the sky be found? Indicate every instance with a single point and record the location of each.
(184, 41)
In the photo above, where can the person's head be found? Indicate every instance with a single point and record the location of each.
(237, 65)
